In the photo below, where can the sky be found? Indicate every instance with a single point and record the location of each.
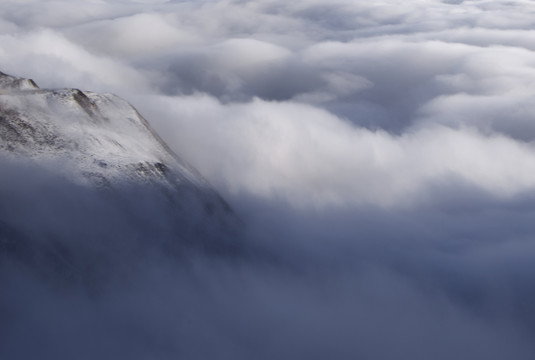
(382, 151)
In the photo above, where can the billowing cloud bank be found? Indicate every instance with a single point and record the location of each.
(384, 151)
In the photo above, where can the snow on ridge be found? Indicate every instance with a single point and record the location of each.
(92, 160)
(98, 138)
(8, 82)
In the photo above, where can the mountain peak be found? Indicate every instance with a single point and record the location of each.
(98, 173)
(100, 135)
(8, 82)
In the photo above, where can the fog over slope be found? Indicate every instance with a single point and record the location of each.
(380, 154)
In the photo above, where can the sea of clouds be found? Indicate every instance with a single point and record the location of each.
(382, 152)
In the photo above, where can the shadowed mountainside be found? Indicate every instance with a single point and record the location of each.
(88, 186)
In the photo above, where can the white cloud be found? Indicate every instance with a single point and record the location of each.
(136, 35)
(312, 158)
(57, 62)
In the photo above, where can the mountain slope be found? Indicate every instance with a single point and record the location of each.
(87, 182)
(101, 133)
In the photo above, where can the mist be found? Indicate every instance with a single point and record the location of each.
(379, 157)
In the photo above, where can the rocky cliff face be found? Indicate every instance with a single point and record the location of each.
(86, 184)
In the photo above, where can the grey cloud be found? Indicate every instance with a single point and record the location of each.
(274, 80)
(349, 282)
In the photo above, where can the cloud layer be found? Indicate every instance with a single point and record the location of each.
(382, 152)
(384, 78)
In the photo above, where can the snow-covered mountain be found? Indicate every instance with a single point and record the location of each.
(86, 181)
(101, 135)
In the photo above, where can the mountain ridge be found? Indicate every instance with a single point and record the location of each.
(38, 121)
(87, 180)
